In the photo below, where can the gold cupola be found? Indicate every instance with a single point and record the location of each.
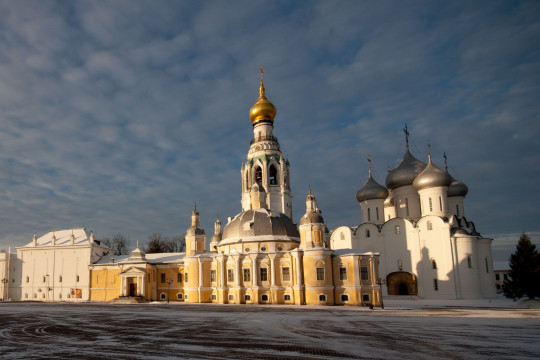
(263, 109)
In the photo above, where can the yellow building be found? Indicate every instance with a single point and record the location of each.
(261, 257)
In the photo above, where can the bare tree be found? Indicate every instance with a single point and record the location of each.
(179, 243)
(158, 243)
(119, 244)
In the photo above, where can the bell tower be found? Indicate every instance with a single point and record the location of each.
(265, 165)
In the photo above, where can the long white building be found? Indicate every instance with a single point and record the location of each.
(53, 267)
(417, 223)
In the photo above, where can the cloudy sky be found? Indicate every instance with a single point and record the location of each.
(118, 115)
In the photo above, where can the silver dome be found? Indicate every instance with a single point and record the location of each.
(405, 172)
(457, 188)
(371, 190)
(260, 222)
(431, 177)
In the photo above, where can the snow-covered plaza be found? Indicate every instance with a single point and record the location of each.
(167, 331)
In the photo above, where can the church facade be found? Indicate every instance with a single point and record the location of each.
(417, 222)
(260, 257)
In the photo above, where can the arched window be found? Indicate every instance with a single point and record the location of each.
(430, 205)
(272, 175)
(440, 202)
(264, 298)
(433, 263)
(368, 214)
(258, 175)
(368, 234)
(377, 211)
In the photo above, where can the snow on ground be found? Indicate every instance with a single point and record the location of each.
(408, 328)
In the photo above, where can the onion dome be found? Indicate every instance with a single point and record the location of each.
(405, 172)
(457, 188)
(371, 190)
(263, 109)
(431, 177)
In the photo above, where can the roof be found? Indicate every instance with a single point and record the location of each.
(63, 237)
(260, 222)
(157, 258)
(342, 252)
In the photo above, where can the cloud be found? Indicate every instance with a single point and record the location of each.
(119, 117)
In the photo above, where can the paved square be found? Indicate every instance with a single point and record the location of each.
(161, 331)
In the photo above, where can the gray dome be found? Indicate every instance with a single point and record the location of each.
(312, 218)
(371, 190)
(405, 172)
(457, 188)
(431, 177)
(260, 222)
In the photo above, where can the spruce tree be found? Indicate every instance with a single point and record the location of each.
(524, 275)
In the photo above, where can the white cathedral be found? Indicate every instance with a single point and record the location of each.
(417, 223)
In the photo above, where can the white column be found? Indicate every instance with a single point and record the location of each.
(237, 263)
(273, 273)
(254, 273)
(222, 274)
(143, 280)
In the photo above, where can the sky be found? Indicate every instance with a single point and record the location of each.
(118, 115)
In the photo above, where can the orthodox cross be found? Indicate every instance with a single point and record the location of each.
(406, 131)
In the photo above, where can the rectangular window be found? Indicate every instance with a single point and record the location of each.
(469, 261)
(287, 297)
(430, 205)
(286, 274)
(368, 214)
(77, 278)
(366, 298)
(364, 274)
(212, 275)
(264, 274)
(344, 298)
(435, 284)
(440, 202)
(398, 230)
(186, 279)
(342, 273)
(487, 265)
(162, 278)
(498, 287)
(230, 275)
(60, 278)
(179, 277)
(505, 277)
(377, 211)
(429, 225)
(320, 273)
(457, 210)
(407, 205)
(497, 277)
(247, 275)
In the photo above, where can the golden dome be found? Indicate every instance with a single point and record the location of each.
(263, 109)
